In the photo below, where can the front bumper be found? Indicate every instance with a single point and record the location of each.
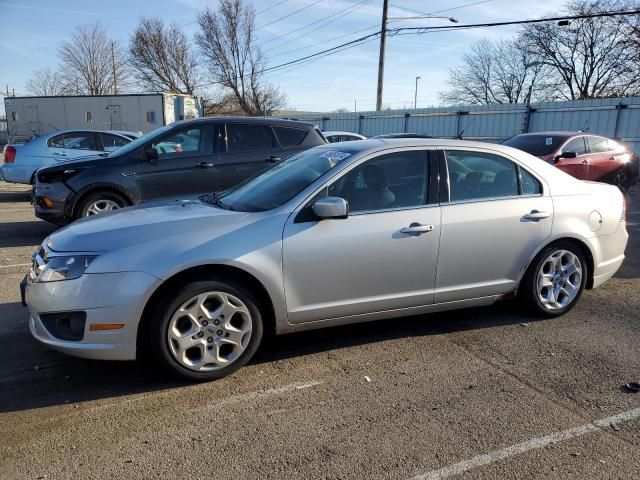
(61, 198)
(106, 298)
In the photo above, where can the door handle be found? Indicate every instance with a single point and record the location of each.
(416, 229)
(536, 215)
(205, 165)
(273, 159)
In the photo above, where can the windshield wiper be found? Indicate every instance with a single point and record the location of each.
(212, 199)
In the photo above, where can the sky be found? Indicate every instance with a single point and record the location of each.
(32, 31)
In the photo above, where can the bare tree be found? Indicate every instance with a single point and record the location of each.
(589, 57)
(46, 83)
(495, 72)
(93, 63)
(162, 57)
(226, 40)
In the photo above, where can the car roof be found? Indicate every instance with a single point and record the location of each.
(337, 132)
(375, 144)
(239, 119)
(67, 130)
(557, 133)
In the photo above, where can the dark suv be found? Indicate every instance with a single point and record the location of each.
(182, 159)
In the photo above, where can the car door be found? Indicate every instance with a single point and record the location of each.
(248, 149)
(73, 144)
(602, 159)
(381, 257)
(577, 167)
(186, 164)
(496, 216)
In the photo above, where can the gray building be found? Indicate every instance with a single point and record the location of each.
(28, 116)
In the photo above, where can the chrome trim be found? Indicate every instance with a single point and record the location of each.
(491, 199)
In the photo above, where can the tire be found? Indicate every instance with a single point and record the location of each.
(540, 299)
(209, 356)
(91, 204)
(623, 180)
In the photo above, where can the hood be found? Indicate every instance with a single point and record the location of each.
(133, 225)
(78, 162)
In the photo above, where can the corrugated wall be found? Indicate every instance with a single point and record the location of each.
(613, 117)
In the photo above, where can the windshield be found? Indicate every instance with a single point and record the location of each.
(281, 183)
(538, 145)
(140, 141)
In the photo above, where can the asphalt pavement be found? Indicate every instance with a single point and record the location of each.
(485, 393)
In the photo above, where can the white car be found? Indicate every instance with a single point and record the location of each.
(333, 137)
(21, 161)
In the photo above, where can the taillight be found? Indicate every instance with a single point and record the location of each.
(9, 154)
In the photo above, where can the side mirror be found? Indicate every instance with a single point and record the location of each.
(331, 207)
(149, 154)
(566, 155)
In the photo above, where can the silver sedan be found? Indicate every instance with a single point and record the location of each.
(337, 234)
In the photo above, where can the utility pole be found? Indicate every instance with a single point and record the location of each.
(355, 105)
(113, 64)
(383, 41)
(415, 95)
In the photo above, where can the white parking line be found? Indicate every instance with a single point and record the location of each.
(15, 265)
(533, 444)
(243, 397)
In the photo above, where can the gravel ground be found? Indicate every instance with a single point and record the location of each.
(481, 393)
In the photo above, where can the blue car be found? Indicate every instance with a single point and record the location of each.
(22, 160)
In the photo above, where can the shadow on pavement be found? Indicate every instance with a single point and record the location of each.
(14, 197)
(24, 234)
(32, 376)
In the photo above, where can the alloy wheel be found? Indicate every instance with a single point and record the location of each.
(101, 206)
(559, 279)
(209, 331)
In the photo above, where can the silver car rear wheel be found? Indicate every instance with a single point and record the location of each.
(209, 331)
(559, 279)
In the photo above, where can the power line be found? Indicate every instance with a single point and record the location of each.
(340, 13)
(324, 41)
(272, 6)
(440, 11)
(516, 22)
(417, 30)
(288, 15)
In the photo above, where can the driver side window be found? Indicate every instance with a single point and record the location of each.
(576, 145)
(184, 143)
(395, 180)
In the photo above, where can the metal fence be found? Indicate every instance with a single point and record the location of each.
(617, 118)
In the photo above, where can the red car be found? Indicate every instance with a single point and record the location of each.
(582, 155)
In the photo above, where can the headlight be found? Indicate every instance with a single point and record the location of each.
(64, 268)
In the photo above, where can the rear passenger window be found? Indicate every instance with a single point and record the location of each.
(598, 144)
(245, 138)
(290, 137)
(529, 184)
(477, 175)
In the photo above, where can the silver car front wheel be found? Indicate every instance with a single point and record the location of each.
(204, 329)
(209, 331)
